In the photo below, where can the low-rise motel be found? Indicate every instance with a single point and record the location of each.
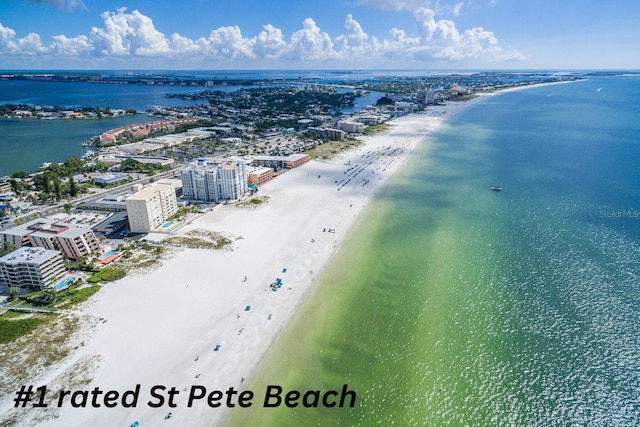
(281, 162)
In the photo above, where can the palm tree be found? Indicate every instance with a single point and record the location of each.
(13, 291)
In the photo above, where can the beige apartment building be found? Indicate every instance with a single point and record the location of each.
(74, 242)
(150, 207)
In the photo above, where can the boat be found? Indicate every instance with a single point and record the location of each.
(496, 188)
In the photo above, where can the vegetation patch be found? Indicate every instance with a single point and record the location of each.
(23, 360)
(184, 211)
(201, 239)
(463, 98)
(253, 203)
(74, 296)
(12, 329)
(138, 255)
(107, 275)
(376, 129)
(330, 149)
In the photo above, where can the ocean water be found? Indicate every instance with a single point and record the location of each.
(451, 304)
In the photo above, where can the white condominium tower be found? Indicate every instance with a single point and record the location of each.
(213, 181)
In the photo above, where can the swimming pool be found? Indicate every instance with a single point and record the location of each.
(167, 224)
(108, 254)
(65, 283)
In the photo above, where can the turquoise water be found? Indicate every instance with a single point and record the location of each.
(108, 254)
(65, 283)
(451, 304)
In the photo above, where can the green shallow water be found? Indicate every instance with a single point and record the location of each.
(392, 307)
(450, 304)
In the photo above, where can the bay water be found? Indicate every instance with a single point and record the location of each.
(451, 304)
(27, 143)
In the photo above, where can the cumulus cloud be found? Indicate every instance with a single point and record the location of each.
(270, 42)
(355, 41)
(30, 45)
(6, 38)
(134, 35)
(310, 42)
(478, 44)
(475, 43)
(129, 33)
(73, 46)
(227, 42)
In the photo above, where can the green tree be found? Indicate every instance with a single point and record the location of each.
(20, 174)
(14, 186)
(48, 296)
(73, 187)
(385, 100)
(67, 208)
(73, 165)
(130, 165)
(57, 187)
(56, 169)
(45, 183)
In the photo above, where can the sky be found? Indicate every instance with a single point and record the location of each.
(314, 34)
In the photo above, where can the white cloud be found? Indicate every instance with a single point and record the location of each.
(74, 46)
(227, 42)
(355, 42)
(183, 45)
(430, 29)
(456, 9)
(30, 45)
(310, 43)
(475, 43)
(270, 42)
(478, 44)
(133, 35)
(6, 39)
(129, 33)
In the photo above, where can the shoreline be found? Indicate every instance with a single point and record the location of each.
(164, 314)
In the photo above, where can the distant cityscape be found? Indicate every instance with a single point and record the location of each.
(138, 178)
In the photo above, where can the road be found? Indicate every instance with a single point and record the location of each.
(100, 193)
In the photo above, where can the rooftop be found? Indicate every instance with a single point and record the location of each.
(29, 255)
(149, 191)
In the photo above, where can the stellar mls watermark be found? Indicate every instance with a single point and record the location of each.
(628, 213)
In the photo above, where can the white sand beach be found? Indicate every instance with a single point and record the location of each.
(162, 327)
